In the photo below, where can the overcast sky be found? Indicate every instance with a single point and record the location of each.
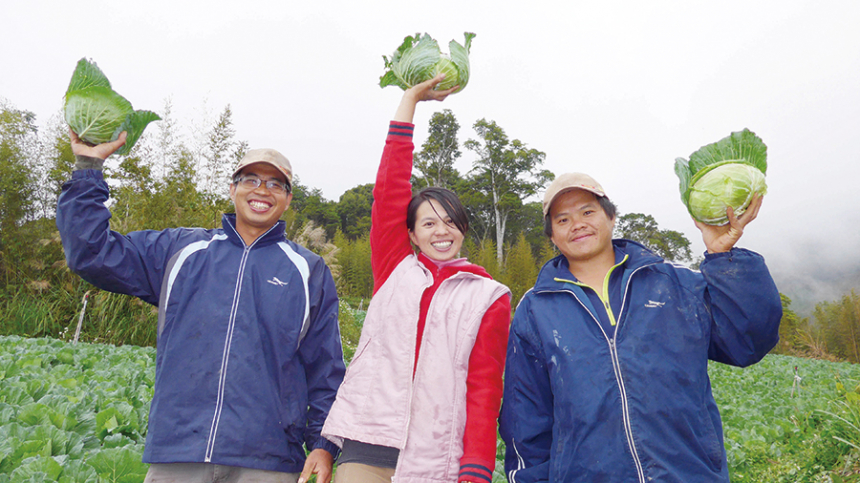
(617, 89)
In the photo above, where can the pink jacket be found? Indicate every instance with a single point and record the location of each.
(380, 403)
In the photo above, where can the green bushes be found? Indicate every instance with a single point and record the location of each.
(351, 320)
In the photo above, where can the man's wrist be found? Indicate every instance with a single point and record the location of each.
(88, 162)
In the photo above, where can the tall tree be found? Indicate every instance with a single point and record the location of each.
(220, 154)
(18, 148)
(353, 208)
(168, 143)
(484, 254)
(505, 172)
(548, 251)
(669, 244)
(480, 211)
(789, 328)
(528, 220)
(840, 324)
(310, 204)
(440, 150)
(355, 277)
(133, 195)
(521, 269)
(60, 161)
(180, 202)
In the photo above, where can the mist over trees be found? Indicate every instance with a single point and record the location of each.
(171, 179)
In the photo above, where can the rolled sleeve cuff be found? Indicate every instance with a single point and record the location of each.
(327, 445)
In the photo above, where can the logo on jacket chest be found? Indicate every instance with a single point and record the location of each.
(275, 281)
(652, 304)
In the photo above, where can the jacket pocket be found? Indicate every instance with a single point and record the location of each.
(712, 446)
(357, 357)
(359, 373)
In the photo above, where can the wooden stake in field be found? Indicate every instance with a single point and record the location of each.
(81, 318)
(796, 383)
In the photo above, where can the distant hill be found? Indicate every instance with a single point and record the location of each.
(807, 286)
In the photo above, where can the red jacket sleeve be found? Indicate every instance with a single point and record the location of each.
(484, 393)
(389, 236)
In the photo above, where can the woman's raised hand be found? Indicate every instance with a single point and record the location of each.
(420, 92)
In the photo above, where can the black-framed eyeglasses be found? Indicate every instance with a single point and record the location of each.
(254, 182)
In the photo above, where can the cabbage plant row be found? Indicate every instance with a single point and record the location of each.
(77, 413)
(784, 417)
(73, 413)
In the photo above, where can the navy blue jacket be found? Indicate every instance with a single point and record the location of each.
(249, 357)
(583, 404)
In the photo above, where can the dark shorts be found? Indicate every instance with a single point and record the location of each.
(368, 454)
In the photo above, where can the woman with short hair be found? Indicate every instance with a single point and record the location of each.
(421, 396)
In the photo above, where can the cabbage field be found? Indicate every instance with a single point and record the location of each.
(73, 413)
(76, 413)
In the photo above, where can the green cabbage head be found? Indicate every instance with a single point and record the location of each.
(97, 114)
(419, 59)
(726, 173)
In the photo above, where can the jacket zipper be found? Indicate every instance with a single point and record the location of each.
(625, 410)
(616, 368)
(228, 340)
(616, 365)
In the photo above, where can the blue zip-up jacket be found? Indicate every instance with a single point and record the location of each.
(249, 357)
(632, 404)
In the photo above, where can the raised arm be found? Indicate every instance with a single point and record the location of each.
(131, 264)
(389, 236)
(743, 300)
(745, 307)
(421, 92)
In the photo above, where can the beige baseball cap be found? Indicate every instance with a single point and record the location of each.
(567, 182)
(268, 156)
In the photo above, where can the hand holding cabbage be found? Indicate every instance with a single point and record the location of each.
(418, 59)
(727, 173)
(97, 114)
(722, 238)
(425, 91)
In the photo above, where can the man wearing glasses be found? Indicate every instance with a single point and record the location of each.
(249, 356)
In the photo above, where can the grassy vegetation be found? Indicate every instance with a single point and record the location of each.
(112, 318)
(109, 318)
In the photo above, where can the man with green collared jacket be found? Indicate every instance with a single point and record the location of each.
(606, 376)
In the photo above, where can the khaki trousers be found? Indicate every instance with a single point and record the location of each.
(209, 473)
(359, 473)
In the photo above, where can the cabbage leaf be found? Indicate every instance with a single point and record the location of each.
(97, 114)
(722, 174)
(419, 59)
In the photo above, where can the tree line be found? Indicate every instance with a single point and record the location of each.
(170, 180)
